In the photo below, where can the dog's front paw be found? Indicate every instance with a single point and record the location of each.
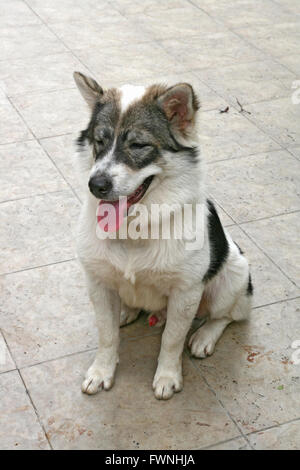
(165, 385)
(97, 379)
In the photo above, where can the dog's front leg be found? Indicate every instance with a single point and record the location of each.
(107, 308)
(182, 309)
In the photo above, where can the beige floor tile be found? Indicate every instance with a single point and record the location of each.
(212, 50)
(182, 22)
(101, 33)
(28, 41)
(291, 5)
(279, 238)
(251, 370)
(292, 62)
(53, 11)
(251, 82)
(19, 427)
(279, 119)
(46, 314)
(6, 361)
(284, 437)
(270, 284)
(41, 74)
(17, 13)
(12, 127)
(230, 135)
(38, 230)
(295, 151)
(277, 40)
(53, 113)
(128, 416)
(134, 7)
(146, 60)
(24, 166)
(253, 187)
(61, 150)
(245, 13)
(235, 444)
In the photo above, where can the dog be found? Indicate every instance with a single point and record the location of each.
(142, 143)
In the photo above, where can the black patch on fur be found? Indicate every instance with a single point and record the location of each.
(250, 286)
(218, 243)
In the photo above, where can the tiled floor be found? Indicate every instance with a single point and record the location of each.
(247, 395)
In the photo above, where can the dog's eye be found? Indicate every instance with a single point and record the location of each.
(138, 146)
(99, 142)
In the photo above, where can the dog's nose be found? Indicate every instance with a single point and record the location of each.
(100, 185)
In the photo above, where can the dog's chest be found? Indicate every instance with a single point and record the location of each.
(141, 277)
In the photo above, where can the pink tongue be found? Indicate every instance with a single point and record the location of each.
(110, 214)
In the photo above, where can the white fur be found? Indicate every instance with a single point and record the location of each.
(124, 276)
(129, 94)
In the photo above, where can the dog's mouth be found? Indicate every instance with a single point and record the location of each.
(139, 192)
(110, 214)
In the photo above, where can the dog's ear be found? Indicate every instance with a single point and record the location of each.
(88, 87)
(180, 104)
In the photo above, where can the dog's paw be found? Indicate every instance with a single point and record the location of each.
(165, 386)
(96, 380)
(202, 344)
(128, 315)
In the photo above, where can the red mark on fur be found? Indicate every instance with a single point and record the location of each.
(153, 320)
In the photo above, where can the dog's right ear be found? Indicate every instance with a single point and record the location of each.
(88, 87)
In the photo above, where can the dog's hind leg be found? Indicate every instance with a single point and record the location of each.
(128, 314)
(228, 298)
(203, 341)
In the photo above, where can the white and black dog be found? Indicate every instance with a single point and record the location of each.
(142, 143)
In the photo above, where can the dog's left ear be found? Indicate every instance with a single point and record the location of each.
(88, 87)
(180, 104)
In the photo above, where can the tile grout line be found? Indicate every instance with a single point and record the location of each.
(219, 401)
(257, 246)
(83, 351)
(267, 54)
(236, 107)
(270, 259)
(259, 50)
(227, 98)
(46, 153)
(289, 151)
(295, 211)
(9, 350)
(274, 426)
(26, 389)
(31, 196)
(276, 302)
(60, 172)
(58, 38)
(251, 433)
(37, 267)
(35, 410)
(222, 442)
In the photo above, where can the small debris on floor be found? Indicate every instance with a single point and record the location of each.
(242, 110)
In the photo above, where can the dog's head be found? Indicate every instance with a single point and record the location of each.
(136, 137)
